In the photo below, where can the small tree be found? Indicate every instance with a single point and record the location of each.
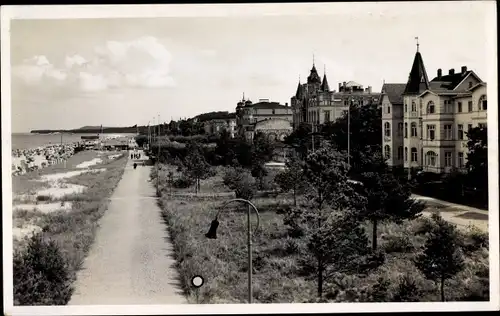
(335, 239)
(407, 290)
(477, 159)
(41, 274)
(442, 256)
(387, 199)
(141, 140)
(292, 177)
(196, 165)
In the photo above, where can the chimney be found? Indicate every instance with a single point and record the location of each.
(464, 69)
(286, 104)
(452, 71)
(343, 84)
(370, 89)
(340, 86)
(440, 73)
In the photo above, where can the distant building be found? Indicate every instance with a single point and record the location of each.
(424, 124)
(314, 103)
(217, 125)
(270, 118)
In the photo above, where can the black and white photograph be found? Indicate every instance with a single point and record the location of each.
(249, 158)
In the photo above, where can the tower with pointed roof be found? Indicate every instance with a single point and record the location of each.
(324, 84)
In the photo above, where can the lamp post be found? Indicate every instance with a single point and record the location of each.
(212, 234)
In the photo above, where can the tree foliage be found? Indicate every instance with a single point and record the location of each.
(41, 274)
(477, 157)
(336, 241)
(195, 165)
(141, 140)
(292, 177)
(442, 257)
(387, 199)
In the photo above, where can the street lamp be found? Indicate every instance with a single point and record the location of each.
(212, 234)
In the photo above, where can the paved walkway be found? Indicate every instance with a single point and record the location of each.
(131, 259)
(454, 213)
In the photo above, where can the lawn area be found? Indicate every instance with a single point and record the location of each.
(73, 230)
(277, 275)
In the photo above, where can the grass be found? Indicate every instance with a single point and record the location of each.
(74, 231)
(276, 276)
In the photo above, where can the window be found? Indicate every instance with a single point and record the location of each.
(406, 153)
(400, 152)
(431, 132)
(413, 106)
(483, 103)
(414, 154)
(448, 106)
(447, 159)
(459, 107)
(469, 105)
(387, 152)
(388, 109)
(431, 158)
(481, 125)
(460, 131)
(406, 107)
(448, 132)
(346, 102)
(431, 108)
(460, 160)
(387, 129)
(470, 84)
(413, 129)
(400, 129)
(406, 130)
(327, 116)
(274, 111)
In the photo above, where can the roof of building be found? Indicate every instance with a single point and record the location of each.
(269, 105)
(417, 80)
(353, 84)
(324, 84)
(394, 92)
(450, 82)
(300, 91)
(313, 76)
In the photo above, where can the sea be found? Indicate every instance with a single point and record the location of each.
(29, 140)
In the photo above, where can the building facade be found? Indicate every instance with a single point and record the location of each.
(271, 118)
(425, 125)
(217, 125)
(314, 103)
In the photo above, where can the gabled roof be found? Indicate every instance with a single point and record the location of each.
(477, 86)
(450, 82)
(417, 81)
(394, 92)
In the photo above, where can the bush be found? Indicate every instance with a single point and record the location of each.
(474, 240)
(407, 290)
(183, 183)
(41, 274)
(398, 244)
(43, 198)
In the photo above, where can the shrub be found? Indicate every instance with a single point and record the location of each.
(407, 290)
(183, 183)
(379, 292)
(41, 274)
(398, 244)
(43, 198)
(474, 240)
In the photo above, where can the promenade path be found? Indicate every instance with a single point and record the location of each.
(460, 215)
(131, 261)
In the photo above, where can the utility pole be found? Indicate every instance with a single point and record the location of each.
(158, 161)
(349, 134)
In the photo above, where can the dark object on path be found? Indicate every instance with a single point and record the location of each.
(135, 165)
(212, 232)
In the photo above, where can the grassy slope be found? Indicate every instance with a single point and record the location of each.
(74, 231)
(222, 262)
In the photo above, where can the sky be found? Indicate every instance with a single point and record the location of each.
(68, 73)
